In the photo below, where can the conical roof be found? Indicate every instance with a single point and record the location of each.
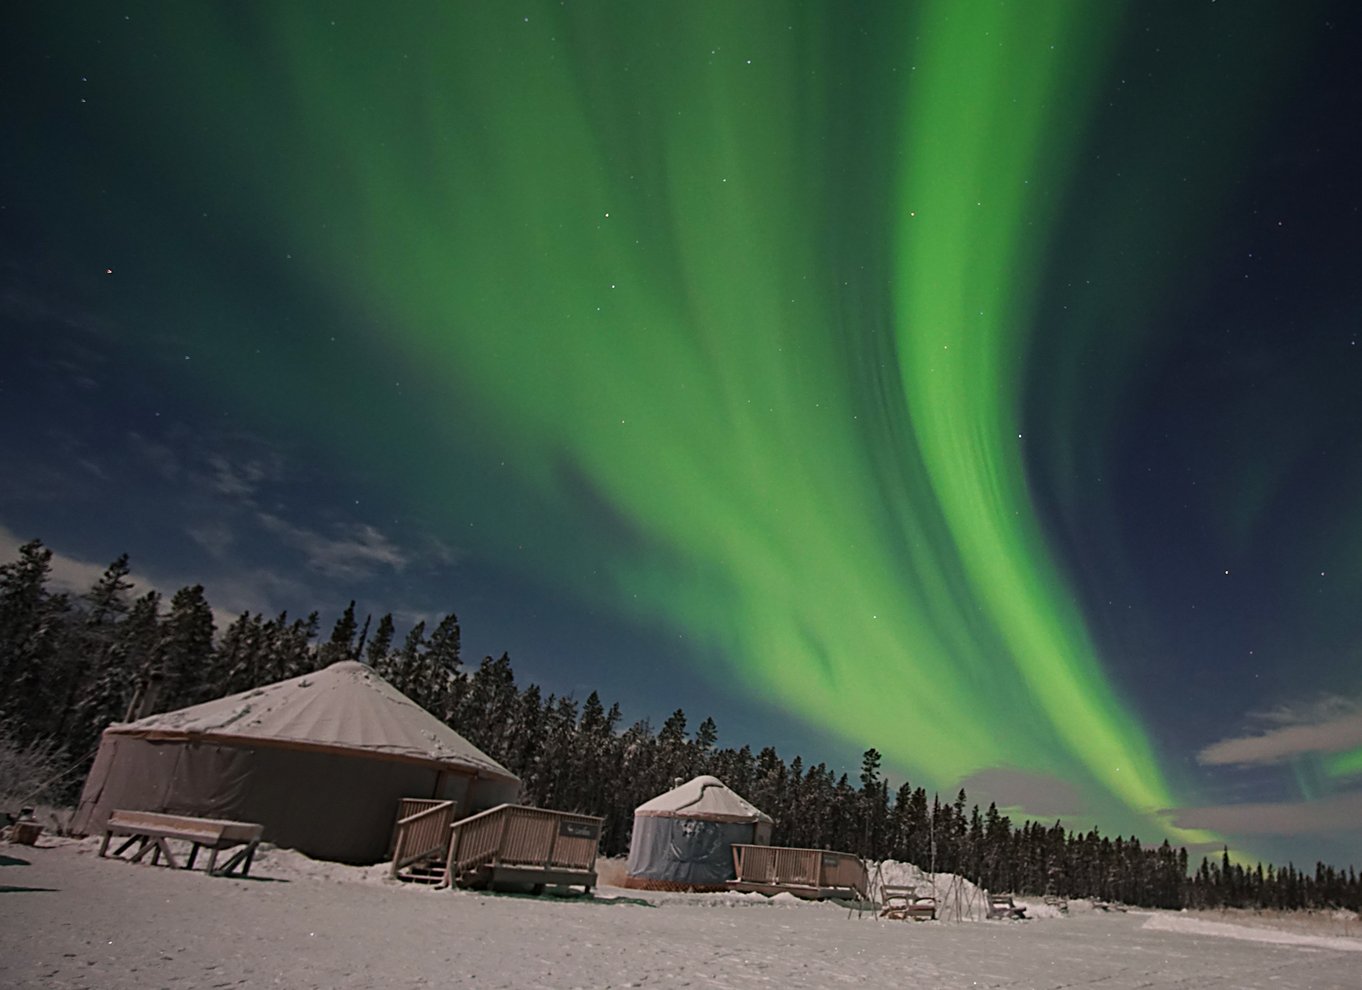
(704, 797)
(343, 707)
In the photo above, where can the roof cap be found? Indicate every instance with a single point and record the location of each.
(703, 797)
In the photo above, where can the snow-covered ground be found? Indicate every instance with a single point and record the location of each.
(72, 920)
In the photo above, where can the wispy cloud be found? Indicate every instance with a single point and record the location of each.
(214, 535)
(1335, 813)
(76, 576)
(241, 478)
(69, 574)
(1036, 794)
(238, 513)
(1330, 725)
(161, 458)
(357, 553)
(259, 589)
(20, 303)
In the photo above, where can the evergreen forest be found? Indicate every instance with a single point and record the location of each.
(72, 664)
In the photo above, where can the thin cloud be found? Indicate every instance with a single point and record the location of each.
(214, 535)
(1336, 813)
(159, 457)
(243, 478)
(75, 576)
(1036, 794)
(1331, 725)
(360, 553)
(18, 303)
(259, 590)
(69, 574)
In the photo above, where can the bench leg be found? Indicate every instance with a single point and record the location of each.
(163, 845)
(193, 855)
(240, 860)
(124, 847)
(104, 846)
(145, 845)
(213, 860)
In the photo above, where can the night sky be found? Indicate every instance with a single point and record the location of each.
(978, 381)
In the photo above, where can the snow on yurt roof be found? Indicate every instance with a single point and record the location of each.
(704, 797)
(343, 707)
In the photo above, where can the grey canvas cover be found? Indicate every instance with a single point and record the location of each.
(685, 850)
(321, 761)
(327, 805)
(344, 706)
(685, 837)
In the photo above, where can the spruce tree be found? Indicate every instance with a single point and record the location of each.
(341, 644)
(88, 649)
(402, 668)
(376, 656)
(119, 694)
(439, 680)
(33, 631)
(184, 654)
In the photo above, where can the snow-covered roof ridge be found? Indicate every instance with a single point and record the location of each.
(346, 706)
(703, 797)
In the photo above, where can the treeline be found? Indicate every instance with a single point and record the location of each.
(1225, 884)
(73, 664)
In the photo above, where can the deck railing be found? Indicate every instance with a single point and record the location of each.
(516, 835)
(784, 866)
(422, 833)
(407, 807)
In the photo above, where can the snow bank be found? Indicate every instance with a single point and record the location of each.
(957, 899)
(82, 921)
(1185, 925)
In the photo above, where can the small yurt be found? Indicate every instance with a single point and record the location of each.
(320, 760)
(683, 840)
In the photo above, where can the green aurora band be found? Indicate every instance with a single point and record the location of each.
(747, 287)
(983, 120)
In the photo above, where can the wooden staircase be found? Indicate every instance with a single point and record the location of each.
(421, 841)
(522, 845)
(430, 872)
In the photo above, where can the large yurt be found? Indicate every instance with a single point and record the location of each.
(683, 840)
(320, 760)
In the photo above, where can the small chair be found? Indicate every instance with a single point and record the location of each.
(1003, 906)
(903, 903)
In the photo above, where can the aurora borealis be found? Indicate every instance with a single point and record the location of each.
(971, 380)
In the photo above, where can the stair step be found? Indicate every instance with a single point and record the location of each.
(422, 873)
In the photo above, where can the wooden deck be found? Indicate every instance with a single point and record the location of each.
(815, 874)
(151, 832)
(515, 844)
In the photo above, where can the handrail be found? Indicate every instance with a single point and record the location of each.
(519, 835)
(790, 866)
(406, 807)
(421, 835)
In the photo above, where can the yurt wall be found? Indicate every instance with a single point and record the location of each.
(685, 851)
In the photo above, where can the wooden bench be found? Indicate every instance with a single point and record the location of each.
(1003, 906)
(1060, 904)
(1101, 905)
(902, 903)
(151, 832)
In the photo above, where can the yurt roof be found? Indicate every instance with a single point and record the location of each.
(345, 707)
(704, 797)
